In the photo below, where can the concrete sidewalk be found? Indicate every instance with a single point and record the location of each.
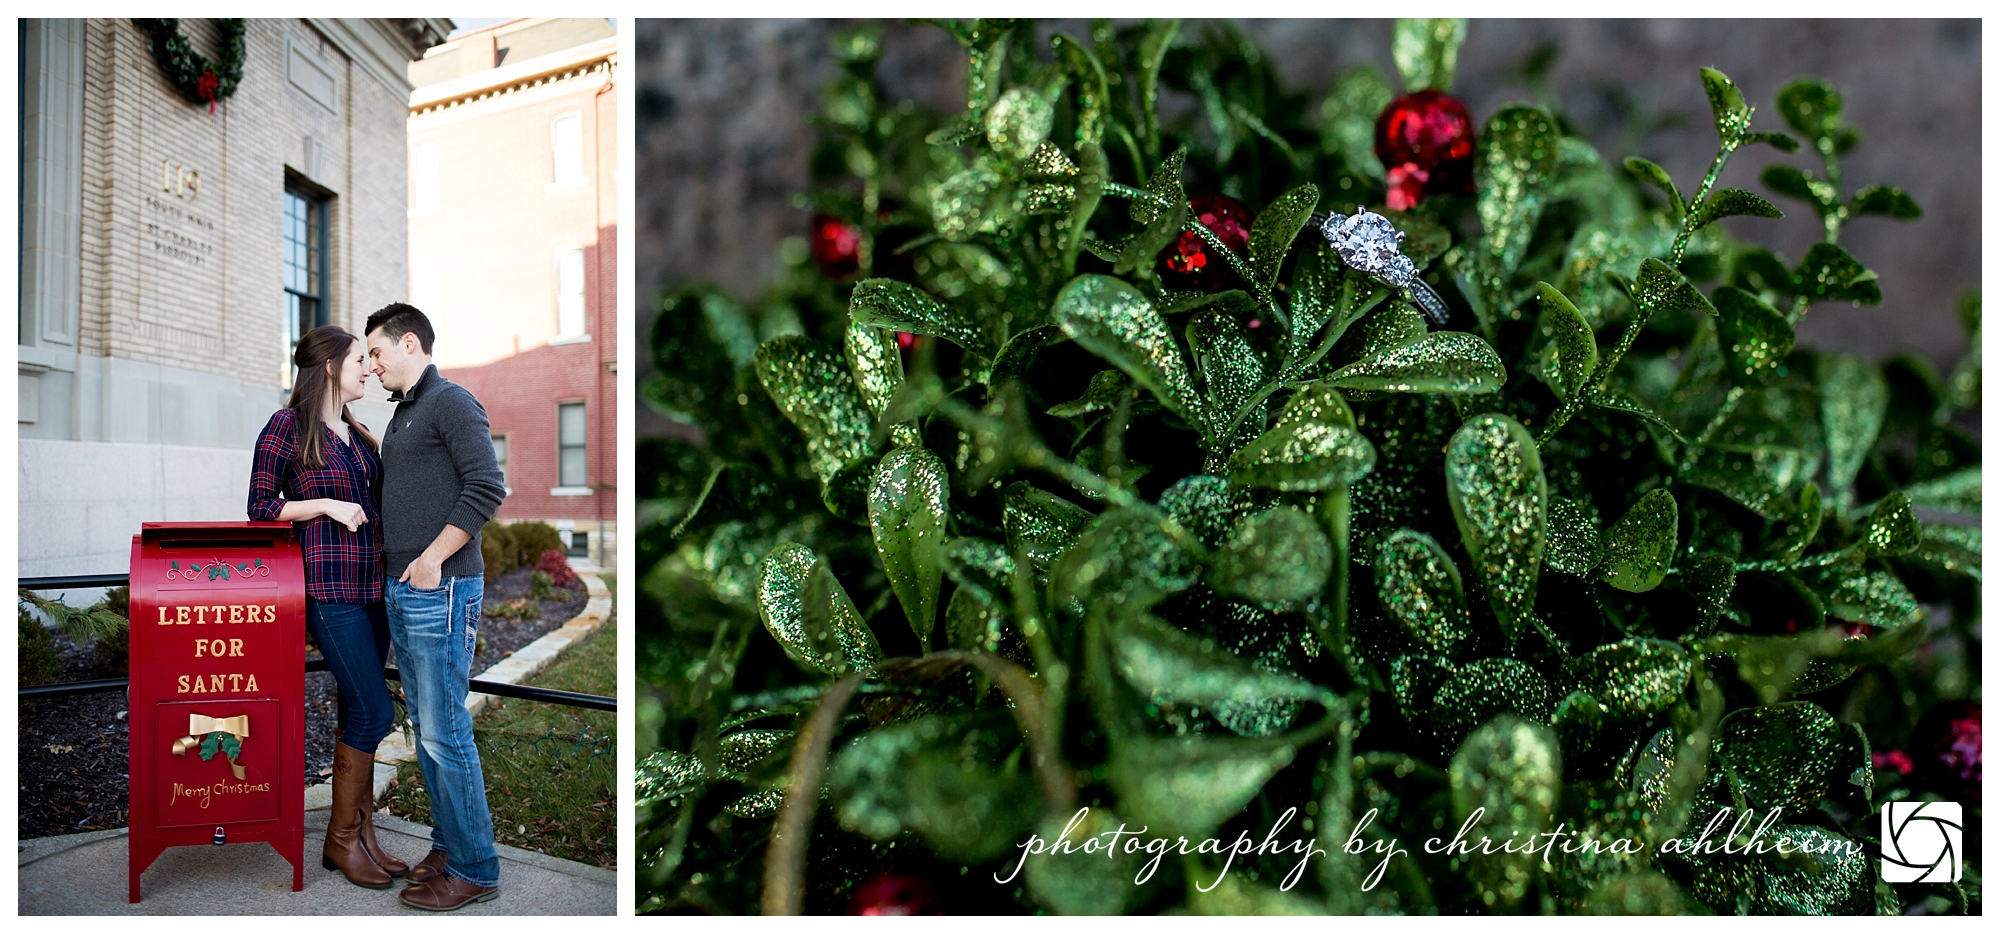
(84, 874)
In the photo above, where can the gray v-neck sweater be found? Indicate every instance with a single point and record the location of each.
(438, 469)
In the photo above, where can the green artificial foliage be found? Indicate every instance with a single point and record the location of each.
(999, 526)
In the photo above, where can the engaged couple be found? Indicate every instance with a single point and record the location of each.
(390, 531)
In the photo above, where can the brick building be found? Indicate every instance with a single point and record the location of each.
(170, 256)
(513, 254)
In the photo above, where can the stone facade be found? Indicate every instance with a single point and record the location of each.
(513, 143)
(152, 340)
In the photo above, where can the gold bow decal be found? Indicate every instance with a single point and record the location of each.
(226, 734)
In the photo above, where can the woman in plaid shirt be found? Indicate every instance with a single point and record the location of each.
(318, 468)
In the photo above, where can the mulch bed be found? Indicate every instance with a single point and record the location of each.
(73, 749)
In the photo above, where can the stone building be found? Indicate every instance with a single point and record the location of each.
(513, 148)
(170, 256)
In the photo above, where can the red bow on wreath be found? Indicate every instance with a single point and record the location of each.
(205, 86)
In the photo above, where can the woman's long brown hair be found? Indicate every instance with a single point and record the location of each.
(320, 357)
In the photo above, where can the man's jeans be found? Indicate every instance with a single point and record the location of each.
(435, 632)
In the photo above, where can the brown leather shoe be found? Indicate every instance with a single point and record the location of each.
(353, 784)
(431, 867)
(447, 892)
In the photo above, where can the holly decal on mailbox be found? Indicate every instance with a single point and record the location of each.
(226, 734)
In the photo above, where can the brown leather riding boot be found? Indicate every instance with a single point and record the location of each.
(353, 797)
(390, 864)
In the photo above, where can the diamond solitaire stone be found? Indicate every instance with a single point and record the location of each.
(1367, 242)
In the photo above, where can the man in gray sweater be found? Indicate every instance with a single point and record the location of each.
(440, 485)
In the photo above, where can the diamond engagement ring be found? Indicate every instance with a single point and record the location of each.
(1368, 243)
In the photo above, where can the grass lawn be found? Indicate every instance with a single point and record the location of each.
(549, 768)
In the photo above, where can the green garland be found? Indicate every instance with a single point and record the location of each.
(998, 526)
(196, 77)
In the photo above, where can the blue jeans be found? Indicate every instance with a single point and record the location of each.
(354, 638)
(435, 632)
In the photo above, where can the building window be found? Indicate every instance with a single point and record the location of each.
(424, 180)
(566, 139)
(500, 455)
(304, 263)
(571, 464)
(569, 293)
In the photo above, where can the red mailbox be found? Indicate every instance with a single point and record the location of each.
(217, 696)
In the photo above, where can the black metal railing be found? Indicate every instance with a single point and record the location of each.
(492, 688)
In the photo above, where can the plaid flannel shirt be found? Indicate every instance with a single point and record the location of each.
(341, 566)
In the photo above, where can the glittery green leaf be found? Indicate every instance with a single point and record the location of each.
(1733, 202)
(1314, 446)
(1020, 352)
(1485, 689)
(1873, 597)
(1760, 477)
(809, 613)
(1812, 107)
(1100, 396)
(1049, 159)
(666, 775)
(1231, 369)
(1802, 526)
(1493, 478)
(975, 201)
(906, 508)
(1575, 546)
(1019, 122)
(1101, 886)
(1732, 116)
(1640, 545)
(1829, 274)
(1516, 157)
(813, 387)
(1417, 584)
(1168, 665)
(1781, 754)
(1797, 183)
(1131, 556)
(1709, 579)
(1755, 338)
(1657, 177)
(1955, 548)
(1853, 398)
(979, 564)
(1042, 524)
(1958, 491)
(1885, 200)
(1278, 556)
(1443, 361)
(974, 620)
(1392, 324)
(1111, 319)
(1892, 527)
(878, 370)
(1347, 119)
(1415, 680)
(1426, 51)
(1163, 218)
(1572, 344)
(1510, 772)
(900, 306)
(1612, 401)
(1190, 785)
(1636, 677)
(1662, 288)
(934, 775)
(1271, 235)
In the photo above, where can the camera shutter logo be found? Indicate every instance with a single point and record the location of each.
(1922, 841)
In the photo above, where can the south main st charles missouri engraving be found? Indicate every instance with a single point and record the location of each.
(178, 232)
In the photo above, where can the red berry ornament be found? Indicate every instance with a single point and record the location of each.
(1186, 264)
(1425, 141)
(836, 247)
(888, 893)
(1945, 748)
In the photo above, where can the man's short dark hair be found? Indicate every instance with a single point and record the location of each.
(397, 319)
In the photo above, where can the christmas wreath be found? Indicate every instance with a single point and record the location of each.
(190, 71)
(1071, 467)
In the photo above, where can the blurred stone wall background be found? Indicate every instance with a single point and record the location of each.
(723, 140)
